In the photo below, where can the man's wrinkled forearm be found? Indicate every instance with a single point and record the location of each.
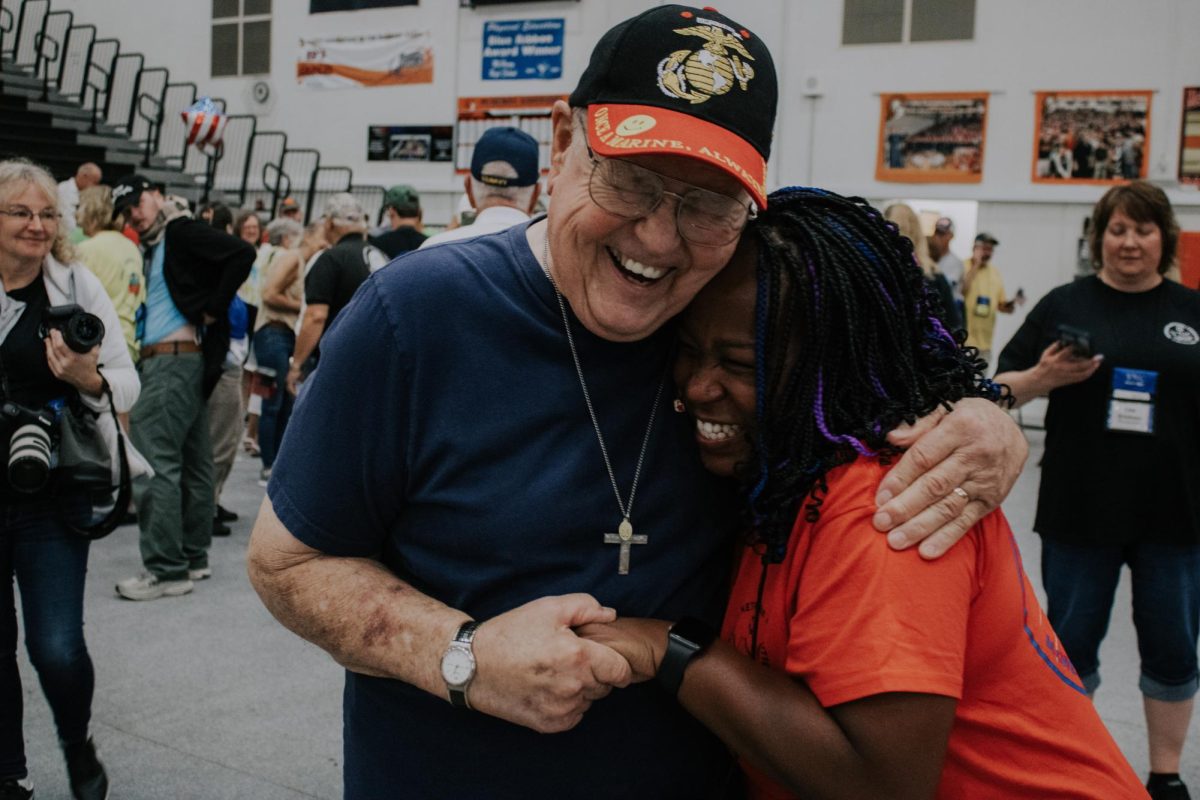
(365, 617)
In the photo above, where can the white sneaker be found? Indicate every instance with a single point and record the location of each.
(202, 574)
(148, 587)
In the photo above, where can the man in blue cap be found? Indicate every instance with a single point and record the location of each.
(503, 185)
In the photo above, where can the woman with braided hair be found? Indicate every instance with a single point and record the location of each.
(796, 362)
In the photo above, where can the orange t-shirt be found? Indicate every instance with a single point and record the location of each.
(854, 618)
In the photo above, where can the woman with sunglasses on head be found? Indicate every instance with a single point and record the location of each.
(40, 367)
(872, 673)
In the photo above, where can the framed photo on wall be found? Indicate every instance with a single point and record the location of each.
(932, 137)
(530, 113)
(1093, 137)
(1189, 137)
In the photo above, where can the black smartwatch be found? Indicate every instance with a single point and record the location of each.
(688, 638)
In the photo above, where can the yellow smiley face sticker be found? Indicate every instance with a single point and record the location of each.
(637, 124)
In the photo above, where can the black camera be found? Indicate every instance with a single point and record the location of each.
(1079, 340)
(30, 444)
(80, 330)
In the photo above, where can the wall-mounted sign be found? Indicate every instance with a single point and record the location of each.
(931, 138)
(323, 6)
(522, 49)
(390, 59)
(476, 114)
(410, 143)
(1091, 137)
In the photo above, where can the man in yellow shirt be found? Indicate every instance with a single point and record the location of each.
(983, 295)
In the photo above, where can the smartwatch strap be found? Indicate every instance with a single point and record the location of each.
(687, 638)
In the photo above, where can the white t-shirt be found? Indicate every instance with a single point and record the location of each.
(490, 220)
(68, 201)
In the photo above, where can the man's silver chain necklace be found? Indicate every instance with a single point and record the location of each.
(624, 535)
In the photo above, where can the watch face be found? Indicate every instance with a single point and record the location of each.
(458, 665)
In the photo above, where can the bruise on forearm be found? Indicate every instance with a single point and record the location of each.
(365, 617)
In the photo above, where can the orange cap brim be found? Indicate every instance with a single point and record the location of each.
(620, 129)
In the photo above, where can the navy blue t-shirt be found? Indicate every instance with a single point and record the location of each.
(446, 431)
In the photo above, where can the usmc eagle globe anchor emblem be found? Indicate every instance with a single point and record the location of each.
(697, 75)
(1181, 333)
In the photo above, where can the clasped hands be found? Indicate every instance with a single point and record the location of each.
(543, 664)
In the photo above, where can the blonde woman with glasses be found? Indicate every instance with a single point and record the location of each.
(39, 371)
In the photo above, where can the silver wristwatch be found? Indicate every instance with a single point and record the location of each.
(458, 665)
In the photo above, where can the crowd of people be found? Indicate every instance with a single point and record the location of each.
(1086, 145)
(453, 431)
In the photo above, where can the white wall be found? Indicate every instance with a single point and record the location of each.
(1020, 46)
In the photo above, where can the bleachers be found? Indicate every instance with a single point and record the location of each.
(68, 96)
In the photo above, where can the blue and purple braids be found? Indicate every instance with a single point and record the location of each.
(849, 344)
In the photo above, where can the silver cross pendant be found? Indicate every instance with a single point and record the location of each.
(624, 537)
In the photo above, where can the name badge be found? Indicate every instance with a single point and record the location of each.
(1131, 407)
(983, 306)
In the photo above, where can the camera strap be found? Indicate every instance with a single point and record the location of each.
(111, 520)
(3, 379)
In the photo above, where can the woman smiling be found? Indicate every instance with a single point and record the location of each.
(41, 370)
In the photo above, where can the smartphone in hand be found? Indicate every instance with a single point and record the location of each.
(1079, 340)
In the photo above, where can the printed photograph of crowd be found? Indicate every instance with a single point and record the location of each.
(1091, 136)
(932, 138)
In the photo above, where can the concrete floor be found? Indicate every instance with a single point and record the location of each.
(205, 696)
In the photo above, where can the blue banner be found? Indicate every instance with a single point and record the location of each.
(522, 49)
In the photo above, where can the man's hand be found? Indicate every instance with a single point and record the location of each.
(976, 448)
(293, 379)
(642, 642)
(534, 671)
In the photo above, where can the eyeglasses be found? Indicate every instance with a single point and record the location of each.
(627, 190)
(25, 216)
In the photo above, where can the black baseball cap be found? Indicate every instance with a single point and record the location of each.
(987, 238)
(511, 145)
(127, 191)
(686, 81)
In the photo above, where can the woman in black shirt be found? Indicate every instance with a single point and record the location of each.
(1118, 354)
(47, 560)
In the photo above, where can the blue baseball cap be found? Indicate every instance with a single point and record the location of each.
(511, 145)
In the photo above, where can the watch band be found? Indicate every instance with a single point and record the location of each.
(462, 641)
(687, 638)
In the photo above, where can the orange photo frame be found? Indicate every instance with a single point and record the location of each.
(933, 137)
(1189, 137)
(1098, 138)
(530, 113)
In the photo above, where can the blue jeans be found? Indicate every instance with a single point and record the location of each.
(273, 346)
(1081, 582)
(49, 564)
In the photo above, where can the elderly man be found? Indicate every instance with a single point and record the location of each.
(192, 273)
(88, 174)
(948, 264)
(457, 490)
(333, 279)
(502, 186)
